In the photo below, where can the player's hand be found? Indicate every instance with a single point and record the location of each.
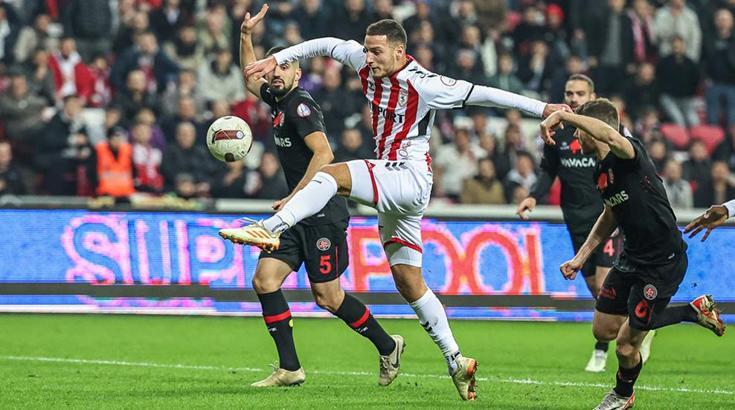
(260, 68)
(549, 125)
(527, 205)
(570, 268)
(552, 108)
(249, 23)
(278, 205)
(715, 216)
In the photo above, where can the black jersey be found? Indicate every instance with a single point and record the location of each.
(581, 204)
(294, 117)
(636, 195)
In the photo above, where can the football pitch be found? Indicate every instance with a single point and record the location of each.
(100, 361)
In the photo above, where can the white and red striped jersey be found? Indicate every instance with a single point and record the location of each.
(403, 104)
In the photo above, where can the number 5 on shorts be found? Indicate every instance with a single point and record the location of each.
(325, 264)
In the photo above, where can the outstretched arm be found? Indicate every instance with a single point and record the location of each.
(619, 145)
(349, 52)
(247, 54)
(495, 97)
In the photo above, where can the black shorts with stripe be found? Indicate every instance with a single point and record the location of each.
(322, 248)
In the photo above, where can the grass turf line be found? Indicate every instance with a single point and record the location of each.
(128, 361)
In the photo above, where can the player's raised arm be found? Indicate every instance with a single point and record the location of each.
(604, 227)
(247, 54)
(586, 121)
(349, 52)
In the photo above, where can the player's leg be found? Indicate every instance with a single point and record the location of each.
(630, 364)
(326, 257)
(269, 275)
(611, 310)
(401, 236)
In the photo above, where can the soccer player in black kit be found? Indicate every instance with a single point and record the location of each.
(580, 204)
(318, 242)
(653, 261)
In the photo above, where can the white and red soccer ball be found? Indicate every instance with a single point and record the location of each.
(229, 139)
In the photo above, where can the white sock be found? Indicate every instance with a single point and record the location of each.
(434, 320)
(305, 203)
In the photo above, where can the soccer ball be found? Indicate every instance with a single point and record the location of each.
(229, 139)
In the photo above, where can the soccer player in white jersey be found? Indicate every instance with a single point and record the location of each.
(403, 97)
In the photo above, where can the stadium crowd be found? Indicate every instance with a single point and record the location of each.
(113, 98)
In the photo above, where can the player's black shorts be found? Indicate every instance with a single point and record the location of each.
(322, 248)
(604, 256)
(641, 292)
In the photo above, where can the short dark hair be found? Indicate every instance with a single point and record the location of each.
(582, 77)
(602, 109)
(389, 28)
(275, 49)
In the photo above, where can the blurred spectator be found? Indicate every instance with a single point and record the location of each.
(679, 78)
(610, 40)
(312, 18)
(166, 20)
(530, 29)
(146, 160)
(135, 96)
(643, 92)
(534, 70)
(65, 157)
(383, 9)
(186, 112)
(185, 49)
(102, 90)
(8, 34)
(678, 190)
(658, 151)
(352, 23)
(71, 75)
(572, 65)
(726, 150)
(466, 67)
(41, 79)
(185, 186)
(235, 181)
(677, 20)
(697, 168)
(335, 102)
(720, 61)
(272, 181)
(186, 86)
(484, 188)
(157, 68)
(719, 188)
(505, 79)
(34, 37)
(148, 117)
(90, 23)
(131, 27)
(641, 17)
(523, 174)
(220, 79)
(21, 111)
(115, 165)
(455, 163)
(11, 180)
(213, 30)
(351, 147)
(184, 157)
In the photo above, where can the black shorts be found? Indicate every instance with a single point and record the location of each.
(322, 248)
(604, 256)
(641, 292)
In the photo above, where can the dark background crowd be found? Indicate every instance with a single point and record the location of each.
(113, 98)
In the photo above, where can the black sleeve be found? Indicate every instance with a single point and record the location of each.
(549, 169)
(640, 152)
(306, 116)
(267, 96)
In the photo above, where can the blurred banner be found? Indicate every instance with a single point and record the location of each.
(469, 258)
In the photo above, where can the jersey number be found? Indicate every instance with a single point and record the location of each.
(325, 264)
(609, 248)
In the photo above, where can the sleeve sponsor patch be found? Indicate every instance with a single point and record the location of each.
(303, 110)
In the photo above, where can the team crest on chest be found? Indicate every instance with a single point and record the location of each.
(303, 110)
(323, 244)
(402, 98)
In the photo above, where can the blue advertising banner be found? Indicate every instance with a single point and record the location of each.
(159, 248)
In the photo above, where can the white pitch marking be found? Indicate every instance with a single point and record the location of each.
(340, 373)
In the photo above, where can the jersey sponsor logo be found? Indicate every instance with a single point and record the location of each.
(388, 114)
(578, 162)
(303, 110)
(650, 292)
(421, 73)
(616, 199)
(323, 244)
(575, 147)
(283, 142)
(278, 120)
(608, 293)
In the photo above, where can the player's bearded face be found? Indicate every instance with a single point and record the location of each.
(577, 93)
(283, 79)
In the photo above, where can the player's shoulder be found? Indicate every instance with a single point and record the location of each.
(302, 103)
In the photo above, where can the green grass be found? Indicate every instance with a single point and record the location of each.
(219, 357)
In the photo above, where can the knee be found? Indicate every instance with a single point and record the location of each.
(625, 349)
(328, 301)
(604, 333)
(263, 284)
(410, 288)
